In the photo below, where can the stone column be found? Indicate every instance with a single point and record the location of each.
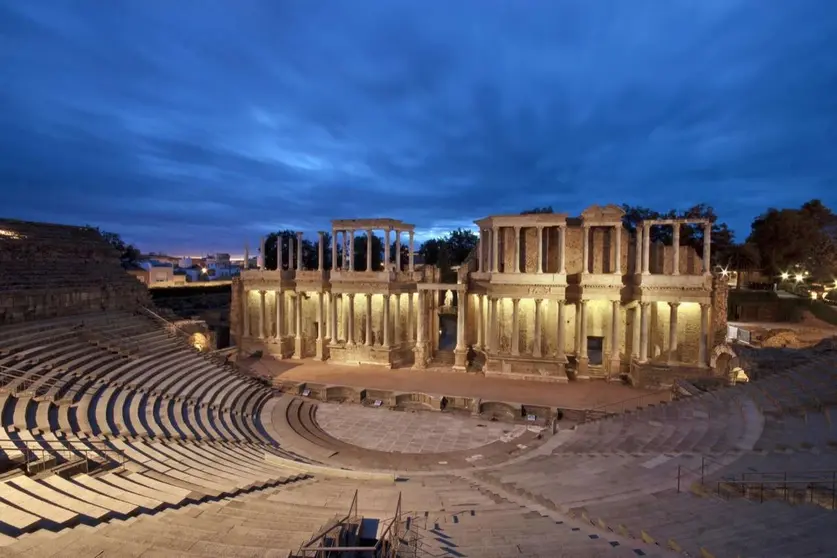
(480, 320)
(495, 325)
(368, 341)
(387, 322)
(387, 255)
(615, 356)
(412, 253)
(643, 331)
(562, 252)
(515, 340)
(560, 334)
(516, 250)
(617, 250)
(536, 352)
(639, 248)
(369, 250)
(262, 314)
(707, 242)
(351, 251)
(420, 350)
(672, 331)
(262, 262)
(483, 250)
(636, 333)
(646, 249)
(350, 326)
(321, 327)
(332, 308)
(583, 360)
(280, 314)
(495, 244)
(411, 320)
(675, 244)
(320, 251)
(333, 250)
(245, 310)
(290, 252)
(396, 319)
(704, 335)
(298, 342)
(585, 248)
(540, 249)
(460, 353)
(345, 239)
(299, 264)
(397, 250)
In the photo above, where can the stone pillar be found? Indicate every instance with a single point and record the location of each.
(280, 314)
(397, 250)
(480, 320)
(615, 356)
(245, 311)
(646, 249)
(333, 250)
(516, 250)
(368, 340)
(412, 253)
(396, 319)
(262, 259)
(560, 334)
(320, 251)
(290, 252)
(585, 249)
(536, 352)
(321, 327)
(581, 319)
(672, 331)
(704, 335)
(707, 242)
(420, 350)
(411, 320)
(617, 250)
(495, 246)
(460, 353)
(675, 244)
(636, 332)
(639, 248)
(351, 251)
(299, 264)
(262, 314)
(387, 255)
(298, 344)
(540, 249)
(387, 322)
(345, 263)
(483, 250)
(332, 308)
(643, 331)
(562, 252)
(350, 326)
(515, 338)
(369, 250)
(495, 326)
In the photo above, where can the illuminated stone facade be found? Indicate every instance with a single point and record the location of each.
(546, 297)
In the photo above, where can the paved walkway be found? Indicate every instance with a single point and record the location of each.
(573, 395)
(406, 432)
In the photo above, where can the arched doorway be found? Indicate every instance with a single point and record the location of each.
(199, 341)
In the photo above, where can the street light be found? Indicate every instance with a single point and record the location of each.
(785, 275)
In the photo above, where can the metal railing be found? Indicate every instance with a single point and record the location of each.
(619, 407)
(37, 460)
(9, 375)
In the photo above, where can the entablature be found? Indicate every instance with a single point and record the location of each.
(267, 279)
(527, 220)
(384, 224)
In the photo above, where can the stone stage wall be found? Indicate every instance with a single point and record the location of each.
(48, 271)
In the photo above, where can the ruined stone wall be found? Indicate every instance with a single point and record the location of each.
(49, 271)
(720, 298)
(662, 260)
(688, 331)
(236, 316)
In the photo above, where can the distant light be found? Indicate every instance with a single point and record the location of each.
(785, 276)
(814, 295)
(204, 270)
(725, 272)
(799, 277)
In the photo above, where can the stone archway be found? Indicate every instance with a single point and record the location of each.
(724, 362)
(199, 341)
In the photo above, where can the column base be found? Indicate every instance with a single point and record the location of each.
(615, 367)
(297, 348)
(322, 348)
(420, 361)
(583, 366)
(460, 360)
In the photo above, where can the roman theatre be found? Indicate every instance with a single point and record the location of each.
(563, 392)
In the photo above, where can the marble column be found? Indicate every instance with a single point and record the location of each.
(483, 250)
(617, 249)
(387, 255)
(536, 351)
(635, 337)
(562, 252)
(290, 252)
(368, 341)
(707, 242)
(298, 341)
(646, 249)
(387, 322)
(515, 336)
(495, 325)
(420, 349)
(638, 250)
(583, 359)
(299, 263)
(516, 250)
(320, 251)
(351, 251)
(615, 341)
(262, 313)
(350, 325)
(540, 250)
(397, 250)
(560, 333)
(585, 248)
(369, 250)
(396, 321)
(412, 253)
(675, 245)
(495, 246)
(245, 311)
(280, 314)
(672, 331)
(411, 320)
(480, 319)
(332, 308)
(644, 318)
(321, 327)
(333, 250)
(460, 353)
(704, 335)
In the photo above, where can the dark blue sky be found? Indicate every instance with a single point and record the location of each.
(193, 125)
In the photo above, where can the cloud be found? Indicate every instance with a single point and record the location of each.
(198, 125)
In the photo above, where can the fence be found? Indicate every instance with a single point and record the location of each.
(37, 460)
(632, 403)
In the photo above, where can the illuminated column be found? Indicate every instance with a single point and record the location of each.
(387, 324)
(396, 321)
(638, 254)
(387, 255)
(486, 323)
(515, 340)
(483, 250)
(298, 329)
(585, 249)
(280, 314)
(350, 326)
(321, 326)
(332, 309)
(420, 325)
(636, 333)
(397, 252)
(707, 241)
(562, 253)
(412, 254)
(369, 250)
(643, 331)
(495, 325)
(246, 312)
(351, 252)
(615, 358)
(333, 250)
(540, 250)
(411, 320)
(617, 239)
(495, 242)
(675, 244)
(345, 262)
(262, 313)
(517, 250)
(320, 252)
(646, 248)
(704, 335)
(480, 320)
(582, 329)
(290, 252)
(368, 320)
(536, 352)
(672, 330)
(560, 334)
(262, 258)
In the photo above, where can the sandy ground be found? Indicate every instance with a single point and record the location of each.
(810, 331)
(574, 395)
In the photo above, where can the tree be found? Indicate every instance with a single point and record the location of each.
(405, 254)
(327, 239)
(431, 250)
(460, 243)
(360, 252)
(287, 238)
(128, 253)
(536, 210)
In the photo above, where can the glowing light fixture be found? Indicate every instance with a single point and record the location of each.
(785, 276)
(203, 270)
(799, 277)
(11, 234)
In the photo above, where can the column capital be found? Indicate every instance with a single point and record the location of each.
(515, 301)
(674, 304)
(705, 305)
(645, 304)
(538, 301)
(583, 301)
(262, 292)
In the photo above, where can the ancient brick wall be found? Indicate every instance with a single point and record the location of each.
(49, 271)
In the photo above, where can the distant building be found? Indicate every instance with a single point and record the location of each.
(153, 271)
